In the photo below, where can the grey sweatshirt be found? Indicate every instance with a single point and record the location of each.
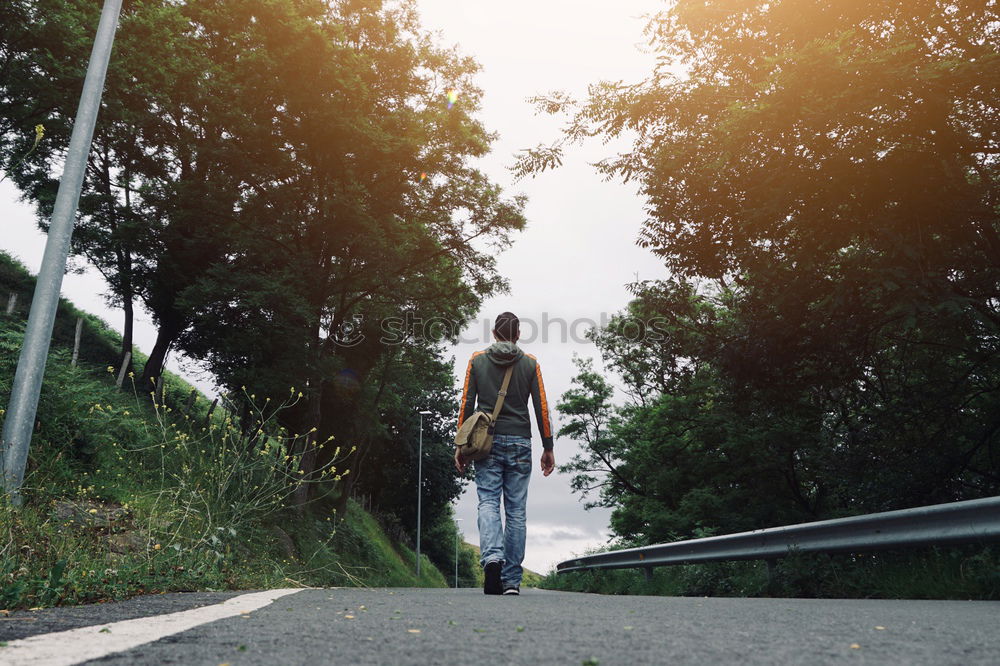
(482, 383)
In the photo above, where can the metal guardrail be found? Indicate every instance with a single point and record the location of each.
(971, 521)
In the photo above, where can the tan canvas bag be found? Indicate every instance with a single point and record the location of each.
(475, 438)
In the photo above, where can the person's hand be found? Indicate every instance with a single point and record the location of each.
(459, 462)
(548, 462)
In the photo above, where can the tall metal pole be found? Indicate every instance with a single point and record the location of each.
(420, 477)
(27, 386)
(457, 521)
(420, 485)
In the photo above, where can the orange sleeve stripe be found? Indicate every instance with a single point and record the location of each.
(546, 426)
(465, 390)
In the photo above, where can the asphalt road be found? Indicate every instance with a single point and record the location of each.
(441, 626)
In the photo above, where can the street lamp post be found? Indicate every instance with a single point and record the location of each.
(420, 483)
(457, 521)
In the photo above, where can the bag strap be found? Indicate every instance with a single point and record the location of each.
(502, 394)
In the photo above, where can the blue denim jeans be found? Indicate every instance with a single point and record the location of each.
(506, 471)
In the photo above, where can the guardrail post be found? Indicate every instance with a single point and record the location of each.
(648, 571)
(772, 576)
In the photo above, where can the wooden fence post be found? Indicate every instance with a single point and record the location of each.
(190, 401)
(158, 391)
(208, 417)
(121, 373)
(76, 340)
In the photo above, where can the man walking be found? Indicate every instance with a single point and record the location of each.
(507, 469)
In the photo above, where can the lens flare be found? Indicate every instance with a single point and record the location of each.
(423, 176)
(452, 97)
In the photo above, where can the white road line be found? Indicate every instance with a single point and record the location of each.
(64, 648)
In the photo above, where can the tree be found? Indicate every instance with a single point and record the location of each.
(825, 175)
(366, 217)
(789, 132)
(169, 157)
(386, 468)
(267, 175)
(838, 147)
(45, 46)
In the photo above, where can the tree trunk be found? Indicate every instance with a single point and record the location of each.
(123, 261)
(165, 336)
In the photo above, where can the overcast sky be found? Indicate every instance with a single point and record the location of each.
(570, 265)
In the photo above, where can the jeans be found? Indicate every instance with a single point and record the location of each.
(506, 471)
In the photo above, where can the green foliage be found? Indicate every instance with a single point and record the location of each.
(267, 175)
(46, 562)
(968, 572)
(724, 579)
(124, 497)
(365, 554)
(439, 540)
(725, 430)
(257, 183)
(386, 465)
(796, 133)
(822, 184)
(101, 342)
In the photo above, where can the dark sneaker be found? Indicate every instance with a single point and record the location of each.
(492, 584)
(510, 588)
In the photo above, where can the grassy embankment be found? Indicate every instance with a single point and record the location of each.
(124, 497)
